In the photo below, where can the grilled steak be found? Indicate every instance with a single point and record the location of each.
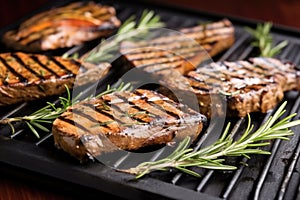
(63, 27)
(25, 77)
(125, 120)
(256, 85)
(182, 52)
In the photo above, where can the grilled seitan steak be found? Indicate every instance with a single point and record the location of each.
(255, 85)
(182, 52)
(62, 27)
(25, 77)
(125, 120)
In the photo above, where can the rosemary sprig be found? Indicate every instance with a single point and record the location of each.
(127, 31)
(49, 113)
(45, 115)
(212, 157)
(263, 40)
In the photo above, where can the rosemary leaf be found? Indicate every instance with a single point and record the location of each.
(128, 30)
(212, 156)
(50, 112)
(38, 125)
(187, 171)
(263, 40)
(33, 130)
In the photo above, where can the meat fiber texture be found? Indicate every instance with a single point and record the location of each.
(182, 51)
(26, 77)
(124, 120)
(254, 85)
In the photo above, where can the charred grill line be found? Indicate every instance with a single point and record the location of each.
(35, 59)
(115, 107)
(238, 66)
(159, 107)
(32, 37)
(21, 62)
(209, 81)
(72, 24)
(54, 60)
(136, 106)
(198, 87)
(161, 53)
(268, 61)
(145, 66)
(156, 69)
(13, 71)
(180, 38)
(207, 26)
(212, 39)
(227, 56)
(44, 15)
(87, 116)
(125, 136)
(249, 69)
(169, 111)
(71, 122)
(70, 9)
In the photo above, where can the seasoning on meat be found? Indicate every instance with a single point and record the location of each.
(129, 120)
(182, 52)
(255, 85)
(62, 27)
(25, 77)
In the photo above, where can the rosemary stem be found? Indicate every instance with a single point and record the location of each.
(10, 120)
(152, 167)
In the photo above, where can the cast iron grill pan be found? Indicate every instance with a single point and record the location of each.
(261, 177)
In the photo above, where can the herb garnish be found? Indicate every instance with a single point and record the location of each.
(49, 113)
(129, 29)
(212, 157)
(263, 40)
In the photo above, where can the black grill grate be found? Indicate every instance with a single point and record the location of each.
(265, 177)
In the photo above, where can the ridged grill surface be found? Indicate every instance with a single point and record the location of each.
(261, 177)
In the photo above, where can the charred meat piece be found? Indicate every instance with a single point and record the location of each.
(124, 120)
(25, 77)
(183, 52)
(254, 85)
(62, 27)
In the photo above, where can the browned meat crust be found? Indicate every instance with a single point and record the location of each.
(129, 120)
(256, 85)
(182, 52)
(62, 27)
(25, 77)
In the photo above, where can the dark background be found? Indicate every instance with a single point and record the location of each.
(282, 12)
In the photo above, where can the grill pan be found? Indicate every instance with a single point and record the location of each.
(265, 177)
